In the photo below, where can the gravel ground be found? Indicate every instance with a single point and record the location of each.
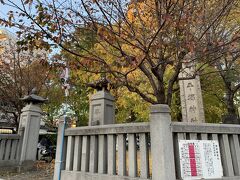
(41, 171)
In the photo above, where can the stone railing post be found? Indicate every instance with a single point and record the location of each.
(163, 166)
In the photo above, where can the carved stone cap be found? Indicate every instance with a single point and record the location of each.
(100, 85)
(160, 108)
(33, 98)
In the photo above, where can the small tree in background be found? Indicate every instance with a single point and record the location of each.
(20, 72)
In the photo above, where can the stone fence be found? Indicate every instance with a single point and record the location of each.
(18, 151)
(141, 151)
(10, 146)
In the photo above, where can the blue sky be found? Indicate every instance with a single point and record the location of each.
(3, 13)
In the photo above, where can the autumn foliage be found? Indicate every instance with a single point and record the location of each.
(137, 44)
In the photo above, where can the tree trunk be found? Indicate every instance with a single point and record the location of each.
(16, 121)
(230, 102)
(231, 116)
(161, 99)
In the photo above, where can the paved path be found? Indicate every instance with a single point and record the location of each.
(41, 171)
(31, 175)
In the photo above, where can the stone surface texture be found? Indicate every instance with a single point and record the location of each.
(102, 109)
(191, 96)
(161, 143)
(29, 128)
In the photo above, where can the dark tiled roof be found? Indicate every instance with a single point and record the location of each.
(6, 125)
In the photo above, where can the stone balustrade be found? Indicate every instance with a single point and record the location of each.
(142, 151)
(10, 146)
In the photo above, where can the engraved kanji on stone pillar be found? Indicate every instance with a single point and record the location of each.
(191, 95)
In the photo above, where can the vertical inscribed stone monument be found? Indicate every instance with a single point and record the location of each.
(191, 95)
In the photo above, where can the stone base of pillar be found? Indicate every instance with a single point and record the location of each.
(25, 166)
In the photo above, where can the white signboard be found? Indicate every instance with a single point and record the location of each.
(200, 159)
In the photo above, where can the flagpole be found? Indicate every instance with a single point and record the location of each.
(64, 80)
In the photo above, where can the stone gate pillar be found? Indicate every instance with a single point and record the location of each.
(102, 104)
(29, 128)
(102, 108)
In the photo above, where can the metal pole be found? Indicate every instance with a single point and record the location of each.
(66, 87)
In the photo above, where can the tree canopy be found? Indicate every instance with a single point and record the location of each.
(20, 72)
(140, 45)
(143, 37)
